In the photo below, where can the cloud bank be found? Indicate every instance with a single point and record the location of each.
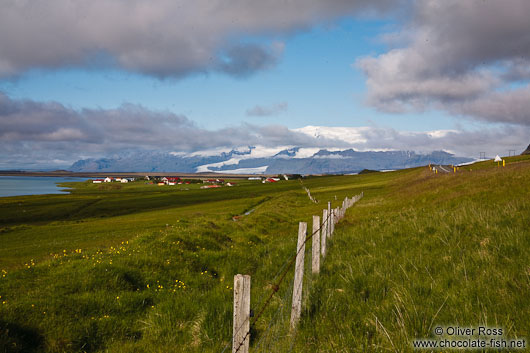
(47, 131)
(162, 38)
(469, 58)
(46, 134)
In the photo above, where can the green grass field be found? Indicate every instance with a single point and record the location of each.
(143, 268)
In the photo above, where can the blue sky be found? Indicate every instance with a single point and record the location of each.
(315, 76)
(89, 79)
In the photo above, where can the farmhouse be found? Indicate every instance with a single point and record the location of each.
(108, 180)
(170, 180)
(271, 180)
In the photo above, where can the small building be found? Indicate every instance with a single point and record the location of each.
(108, 179)
(171, 180)
(271, 180)
(124, 180)
(97, 181)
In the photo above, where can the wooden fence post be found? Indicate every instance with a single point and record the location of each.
(241, 327)
(325, 226)
(315, 246)
(330, 222)
(296, 308)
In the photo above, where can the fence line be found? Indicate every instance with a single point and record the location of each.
(240, 341)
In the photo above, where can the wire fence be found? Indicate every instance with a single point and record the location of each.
(277, 327)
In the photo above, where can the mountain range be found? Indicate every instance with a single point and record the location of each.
(252, 160)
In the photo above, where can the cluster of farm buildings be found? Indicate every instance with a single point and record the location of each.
(110, 180)
(211, 183)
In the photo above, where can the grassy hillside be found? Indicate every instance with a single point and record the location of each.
(443, 250)
(148, 269)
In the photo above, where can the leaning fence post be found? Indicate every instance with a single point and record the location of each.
(315, 246)
(325, 225)
(296, 308)
(330, 221)
(241, 327)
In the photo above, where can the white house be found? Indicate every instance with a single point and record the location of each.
(107, 180)
(124, 180)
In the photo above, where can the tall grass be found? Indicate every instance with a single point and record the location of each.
(156, 274)
(152, 281)
(439, 250)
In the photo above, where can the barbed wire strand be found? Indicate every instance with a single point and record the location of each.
(276, 287)
(284, 303)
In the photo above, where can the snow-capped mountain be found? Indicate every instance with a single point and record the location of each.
(326, 158)
(293, 160)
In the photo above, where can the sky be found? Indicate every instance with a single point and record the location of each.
(93, 79)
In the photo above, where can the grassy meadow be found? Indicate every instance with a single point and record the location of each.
(142, 268)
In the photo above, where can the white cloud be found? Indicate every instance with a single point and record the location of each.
(457, 56)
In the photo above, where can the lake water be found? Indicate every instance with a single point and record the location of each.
(27, 185)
